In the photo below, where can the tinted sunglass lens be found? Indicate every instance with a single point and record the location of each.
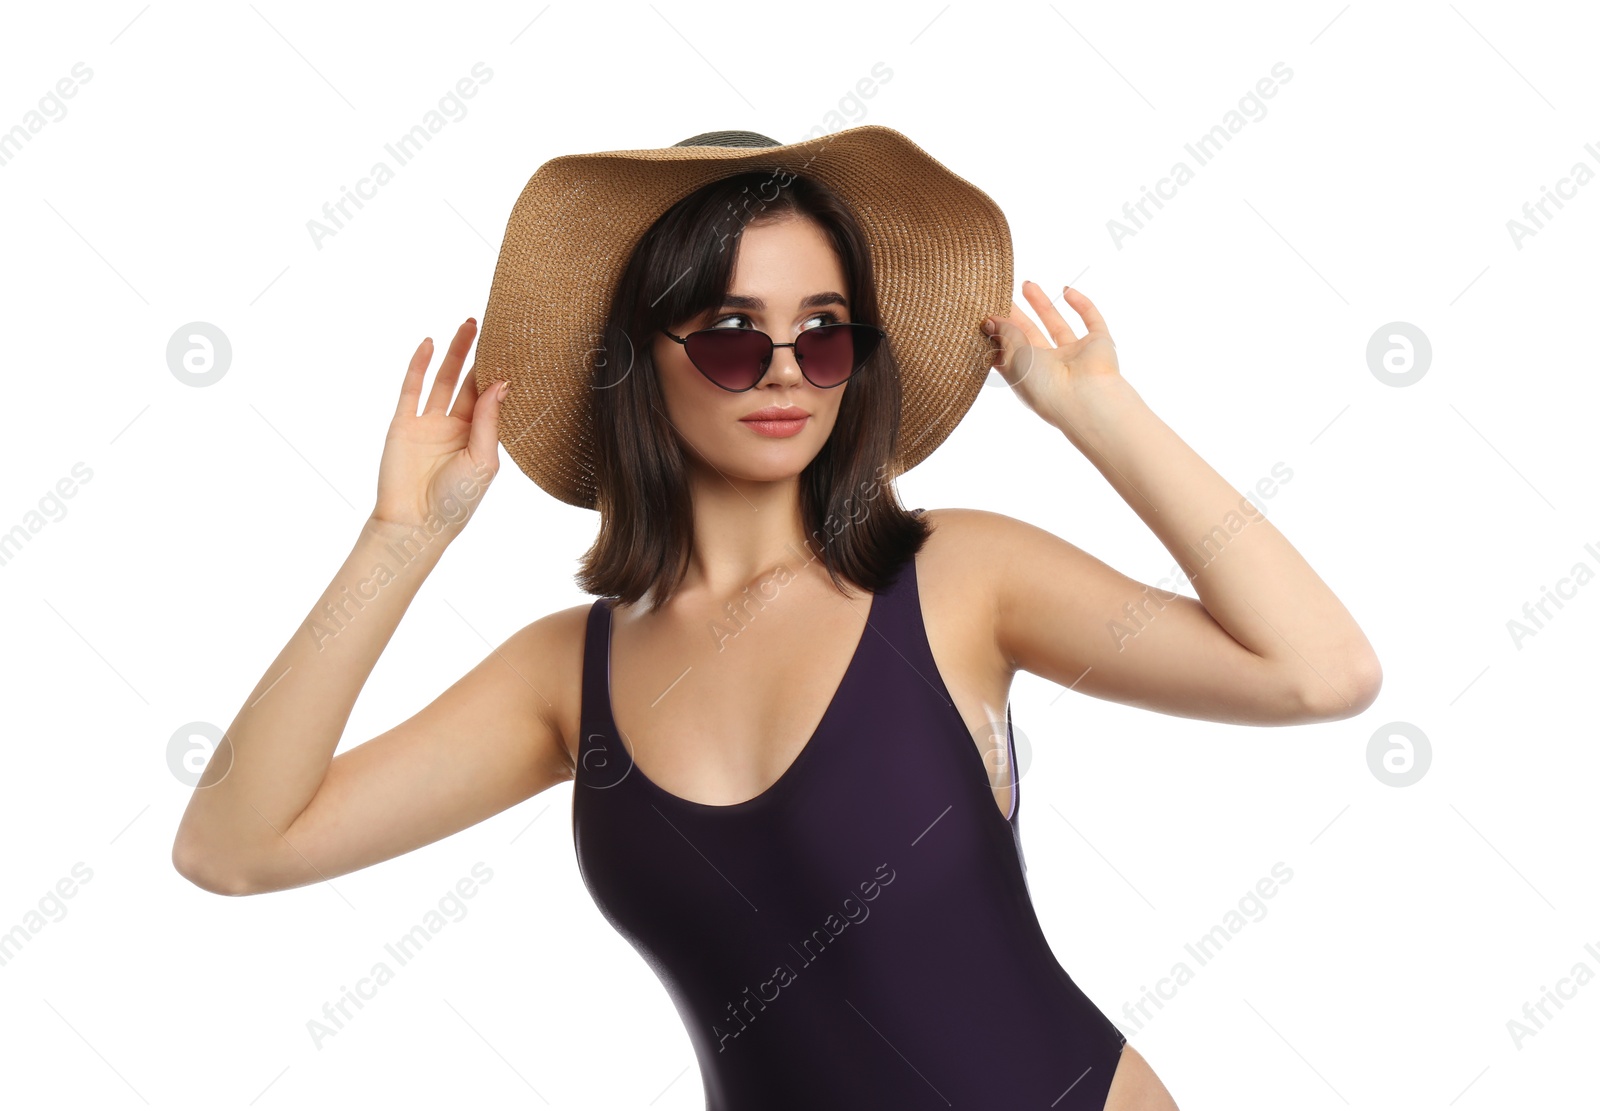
(832, 353)
(733, 358)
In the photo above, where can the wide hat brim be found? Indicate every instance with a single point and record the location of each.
(941, 254)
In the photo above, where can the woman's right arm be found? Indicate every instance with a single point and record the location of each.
(275, 807)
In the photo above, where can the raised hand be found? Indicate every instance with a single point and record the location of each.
(437, 464)
(1044, 373)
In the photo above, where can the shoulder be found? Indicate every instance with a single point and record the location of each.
(547, 654)
(960, 581)
(989, 558)
(973, 523)
(558, 634)
(968, 541)
(981, 538)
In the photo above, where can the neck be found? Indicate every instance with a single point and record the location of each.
(745, 533)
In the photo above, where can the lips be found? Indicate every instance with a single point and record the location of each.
(777, 413)
(776, 420)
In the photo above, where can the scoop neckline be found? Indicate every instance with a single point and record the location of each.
(788, 773)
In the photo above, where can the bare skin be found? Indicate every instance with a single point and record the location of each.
(1266, 643)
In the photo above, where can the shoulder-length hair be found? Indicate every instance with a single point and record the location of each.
(682, 267)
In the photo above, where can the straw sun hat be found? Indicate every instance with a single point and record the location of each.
(941, 255)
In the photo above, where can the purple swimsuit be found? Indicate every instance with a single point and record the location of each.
(860, 934)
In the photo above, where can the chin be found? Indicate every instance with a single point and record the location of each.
(778, 463)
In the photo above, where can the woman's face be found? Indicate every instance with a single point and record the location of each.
(786, 278)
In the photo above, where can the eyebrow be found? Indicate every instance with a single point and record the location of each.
(815, 300)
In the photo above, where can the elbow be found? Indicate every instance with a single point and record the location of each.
(1346, 691)
(203, 871)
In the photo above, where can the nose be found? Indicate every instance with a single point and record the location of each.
(784, 367)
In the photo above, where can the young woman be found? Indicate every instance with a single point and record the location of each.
(786, 714)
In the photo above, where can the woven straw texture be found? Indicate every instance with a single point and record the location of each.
(941, 251)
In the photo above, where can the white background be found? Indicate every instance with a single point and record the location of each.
(1377, 188)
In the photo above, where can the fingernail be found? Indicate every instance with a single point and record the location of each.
(988, 325)
(505, 387)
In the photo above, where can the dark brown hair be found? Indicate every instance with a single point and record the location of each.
(681, 268)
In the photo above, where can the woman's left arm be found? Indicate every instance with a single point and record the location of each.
(1253, 585)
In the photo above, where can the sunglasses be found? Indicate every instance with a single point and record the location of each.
(737, 358)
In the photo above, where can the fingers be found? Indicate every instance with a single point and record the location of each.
(483, 441)
(1022, 320)
(1085, 308)
(467, 396)
(444, 384)
(411, 388)
(1016, 350)
(1060, 330)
